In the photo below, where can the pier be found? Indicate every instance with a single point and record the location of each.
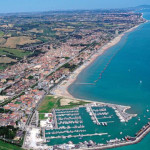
(89, 109)
(66, 131)
(55, 119)
(120, 111)
(85, 83)
(75, 136)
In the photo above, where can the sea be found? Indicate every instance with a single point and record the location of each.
(122, 76)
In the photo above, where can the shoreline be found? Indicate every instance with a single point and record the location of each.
(62, 88)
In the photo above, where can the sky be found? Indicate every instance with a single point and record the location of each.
(8, 6)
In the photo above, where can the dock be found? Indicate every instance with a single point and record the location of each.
(75, 136)
(91, 112)
(55, 119)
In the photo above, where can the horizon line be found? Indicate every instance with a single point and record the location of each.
(63, 10)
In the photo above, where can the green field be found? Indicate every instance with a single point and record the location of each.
(1, 33)
(42, 117)
(14, 52)
(3, 66)
(7, 146)
(50, 103)
(10, 56)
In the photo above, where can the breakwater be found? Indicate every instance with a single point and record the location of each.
(129, 141)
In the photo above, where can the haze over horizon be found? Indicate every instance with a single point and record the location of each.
(9, 6)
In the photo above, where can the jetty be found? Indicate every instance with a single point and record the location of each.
(75, 136)
(94, 118)
(85, 83)
(55, 119)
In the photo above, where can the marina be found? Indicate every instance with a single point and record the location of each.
(88, 144)
(116, 142)
(72, 125)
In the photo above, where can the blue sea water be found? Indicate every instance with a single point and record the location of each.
(126, 80)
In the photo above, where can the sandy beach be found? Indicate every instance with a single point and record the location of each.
(62, 88)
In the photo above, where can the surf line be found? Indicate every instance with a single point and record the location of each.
(106, 66)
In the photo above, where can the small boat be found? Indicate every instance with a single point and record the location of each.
(80, 137)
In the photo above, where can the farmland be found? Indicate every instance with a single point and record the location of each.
(10, 56)
(12, 42)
